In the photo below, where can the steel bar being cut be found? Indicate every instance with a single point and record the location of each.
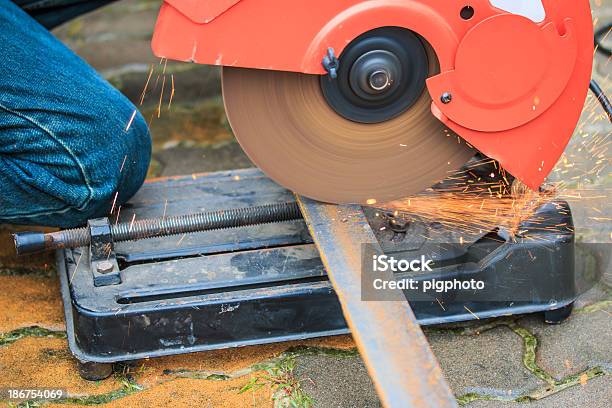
(393, 346)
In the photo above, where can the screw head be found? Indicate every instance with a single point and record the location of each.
(397, 223)
(446, 97)
(105, 266)
(379, 80)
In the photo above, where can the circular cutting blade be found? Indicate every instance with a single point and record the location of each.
(285, 126)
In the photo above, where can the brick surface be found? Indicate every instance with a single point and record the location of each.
(337, 382)
(490, 362)
(597, 393)
(581, 342)
(30, 300)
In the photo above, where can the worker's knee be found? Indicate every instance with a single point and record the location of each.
(71, 144)
(77, 170)
(117, 169)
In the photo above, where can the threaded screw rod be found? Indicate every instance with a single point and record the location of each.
(30, 242)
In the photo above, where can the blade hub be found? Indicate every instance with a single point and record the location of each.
(285, 124)
(372, 76)
(380, 80)
(381, 75)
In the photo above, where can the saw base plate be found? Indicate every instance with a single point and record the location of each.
(266, 283)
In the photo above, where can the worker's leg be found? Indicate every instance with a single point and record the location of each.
(65, 144)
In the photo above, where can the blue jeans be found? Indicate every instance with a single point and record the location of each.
(65, 147)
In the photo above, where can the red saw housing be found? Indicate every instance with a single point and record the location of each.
(517, 72)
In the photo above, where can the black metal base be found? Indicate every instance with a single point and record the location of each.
(266, 283)
(558, 316)
(94, 371)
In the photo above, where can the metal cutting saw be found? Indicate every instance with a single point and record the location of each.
(355, 101)
(341, 102)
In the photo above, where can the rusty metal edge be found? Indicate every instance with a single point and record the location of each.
(396, 353)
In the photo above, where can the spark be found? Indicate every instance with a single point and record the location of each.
(75, 268)
(144, 91)
(118, 212)
(132, 222)
(114, 202)
(472, 313)
(129, 125)
(171, 91)
(161, 97)
(163, 215)
(109, 250)
(159, 74)
(469, 213)
(123, 164)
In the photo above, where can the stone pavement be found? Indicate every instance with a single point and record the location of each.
(495, 363)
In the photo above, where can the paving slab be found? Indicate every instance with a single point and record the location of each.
(191, 82)
(490, 362)
(337, 382)
(181, 160)
(46, 363)
(582, 341)
(596, 393)
(596, 294)
(112, 36)
(194, 123)
(30, 300)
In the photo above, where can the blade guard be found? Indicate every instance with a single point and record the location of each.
(516, 98)
(518, 86)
